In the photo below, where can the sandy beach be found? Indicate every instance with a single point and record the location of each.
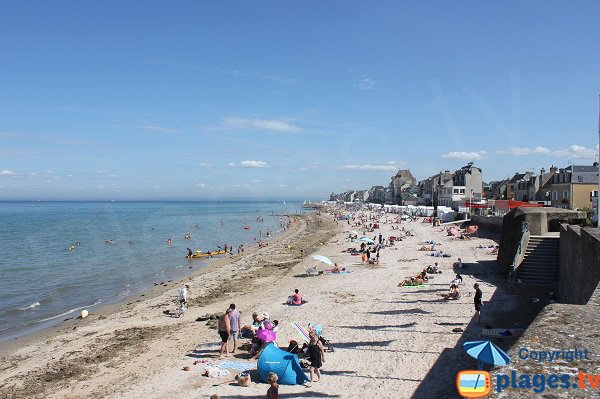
(397, 342)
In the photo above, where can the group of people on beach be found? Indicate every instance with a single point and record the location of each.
(230, 329)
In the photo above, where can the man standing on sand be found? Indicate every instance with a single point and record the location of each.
(224, 327)
(234, 325)
(477, 301)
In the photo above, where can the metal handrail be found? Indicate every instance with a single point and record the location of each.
(521, 248)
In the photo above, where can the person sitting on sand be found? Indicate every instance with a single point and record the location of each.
(336, 269)
(454, 292)
(458, 264)
(435, 269)
(457, 280)
(425, 248)
(256, 322)
(296, 299)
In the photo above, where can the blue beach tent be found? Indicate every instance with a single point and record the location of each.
(284, 364)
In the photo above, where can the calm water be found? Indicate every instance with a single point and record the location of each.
(43, 281)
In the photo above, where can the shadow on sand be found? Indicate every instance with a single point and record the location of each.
(508, 306)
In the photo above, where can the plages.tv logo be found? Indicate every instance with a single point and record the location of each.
(473, 383)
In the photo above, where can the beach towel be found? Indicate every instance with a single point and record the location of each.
(342, 272)
(415, 286)
(237, 365)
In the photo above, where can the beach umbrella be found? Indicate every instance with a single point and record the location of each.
(266, 335)
(302, 331)
(486, 352)
(366, 240)
(323, 259)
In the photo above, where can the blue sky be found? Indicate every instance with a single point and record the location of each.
(188, 99)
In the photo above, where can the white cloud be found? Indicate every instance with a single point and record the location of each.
(387, 168)
(577, 152)
(467, 156)
(273, 125)
(366, 83)
(253, 164)
(6, 172)
(201, 185)
(158, 129)
(525, 151)
(231, 164)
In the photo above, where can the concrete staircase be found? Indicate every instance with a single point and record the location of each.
(540, 266)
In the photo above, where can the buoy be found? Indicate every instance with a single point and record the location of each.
(84, 314)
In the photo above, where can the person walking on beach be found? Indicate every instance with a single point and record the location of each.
(183, 300)
(224, 327)
(477, 301)
(234, 325)
(316, 356)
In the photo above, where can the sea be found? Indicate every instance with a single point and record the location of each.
(57, 258)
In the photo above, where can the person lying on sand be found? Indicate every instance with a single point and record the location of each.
(412, 281)
(425, 248)
(440, 254)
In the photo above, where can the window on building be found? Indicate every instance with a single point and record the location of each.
(580, 179)
(554, 195)
(462, 190)
(565, 194)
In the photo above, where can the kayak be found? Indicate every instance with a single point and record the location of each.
(204, 255)
(246, 227)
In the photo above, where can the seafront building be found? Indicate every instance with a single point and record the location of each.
(574, 187)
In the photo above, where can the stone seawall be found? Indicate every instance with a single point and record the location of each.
(579, 264)
(558, 327)
(572, 324)
(490, 223)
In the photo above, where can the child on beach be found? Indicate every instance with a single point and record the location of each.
(316, 356)
(273, 391)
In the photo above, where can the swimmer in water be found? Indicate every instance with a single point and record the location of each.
(169, 241)
(189, 255)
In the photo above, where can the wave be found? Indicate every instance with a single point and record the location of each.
(67, 312)
(33, 305)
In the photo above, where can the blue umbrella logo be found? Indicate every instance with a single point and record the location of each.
(486, 352)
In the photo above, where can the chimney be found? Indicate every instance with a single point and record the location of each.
(542, 171)
(553, 169)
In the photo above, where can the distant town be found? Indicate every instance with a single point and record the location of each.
(573, 187)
